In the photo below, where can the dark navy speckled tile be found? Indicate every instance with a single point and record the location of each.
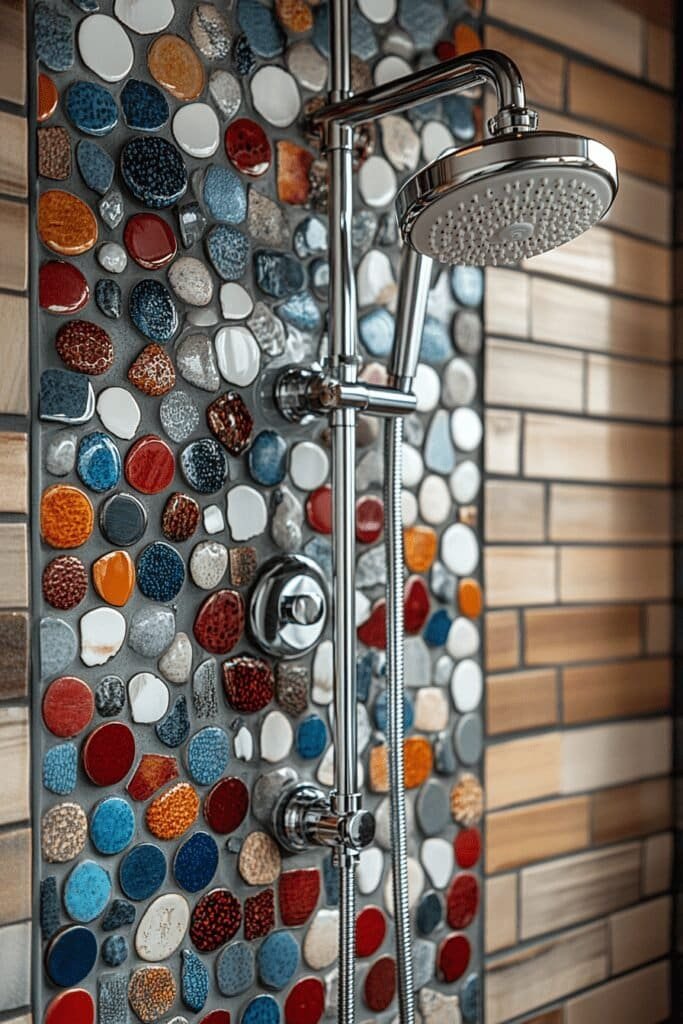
(228, 251)
(277, 959)
(224, 195)
(153, 310)
(160, 572)
(71, 956)
(114, 950)
(175, 728)
(120, 913)
(142, 871)
(144, 106)
(91, 108)
(196, 862)
(108, 298)
(194, 981)
(54, 38)
(204, 465)
(259, 25)
(267, 458)
(278, 274)
(243, 58)
(95, 165)
(98, 463)
(154, 171)
(50, 916)
(66, 396)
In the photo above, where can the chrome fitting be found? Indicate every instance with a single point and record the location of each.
(303, 817)
(302, 393)
(513, 121)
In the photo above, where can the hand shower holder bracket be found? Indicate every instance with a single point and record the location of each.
(305, 816)
(301, 394)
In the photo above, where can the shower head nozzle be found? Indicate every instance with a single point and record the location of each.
(503, 200)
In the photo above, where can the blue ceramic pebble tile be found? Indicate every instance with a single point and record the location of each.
(363, 676)
(320, 550)
(123, 519)
(91, 108)
(112, 999)
(363, 39)
(468, 285)
(196, 862)
(277, 959)
(58, 646)
(60, 769)
(120, 913)
(142, 871)
(224, 195)
(115, 950)
(301, 311)
(261, 1010)
(95, 165)
(191, 224)
(65, 396)
(319, 274)
(438, 452)
(459, 114)
(376, 330)
(87, 891)
(311, 737)
(208, 753)
(194, 981)
(71, 956)
(310, 238)
(235, 969)
(175, 728)
(243, 59)
(152, 310)
(432, 808)
(87, 6)
(112, 825)
(228, 251)
(331, 881)
(258, 23)
(108, 298)
(423, 22)
(381, 712)
(54, 38)
(160, 572)
(110, 696)
(154, 171)
(470, 999)
(144, 107)
(267, 458)
(429, 913)
(436, 341)
(436, 631)
(278, 274)
(204, 465)
(50, 917)
(98, 463)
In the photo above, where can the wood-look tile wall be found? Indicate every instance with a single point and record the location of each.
(15, 833)
(578, 547)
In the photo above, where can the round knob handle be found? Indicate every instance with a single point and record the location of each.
(361, 829)
(288, 609)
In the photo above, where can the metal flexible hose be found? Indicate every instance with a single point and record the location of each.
(346, 1003)
(393, 537)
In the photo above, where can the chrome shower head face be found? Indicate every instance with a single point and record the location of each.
(506, 199)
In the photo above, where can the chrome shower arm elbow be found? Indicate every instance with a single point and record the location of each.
(481, 67)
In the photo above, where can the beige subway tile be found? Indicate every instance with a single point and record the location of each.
(519, 575)
(614, 36)
(532, 376)
(14, 155)
(575, 889)
(639, 998)
(592, 450)
(556, 635)
(14, 565)
(619, 103)
(14, 251)
(642, 208)
(517, 701)
(13, 472)
(658, 628)
(514, 510)
(544, 69)
(660, 55)
(502, 432)
(501, 640)
(658, 854)
(551, 1017)
(618, 689)
(640, 934)
(525, 835)
(603, 258)
(584, 318)
(525, 979)
(628, 389)
(15, 957)
(14, 354)
(607, 514)
(607, 755)
(630, 811)
(12, 51)
(15, 888)
(14, 764)
(506, 302)
(615, 573)
(660, 11)
(500, 929)
(521, 770)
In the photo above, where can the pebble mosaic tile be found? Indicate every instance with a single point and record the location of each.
(182, 253)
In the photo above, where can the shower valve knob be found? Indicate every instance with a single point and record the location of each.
(288, 610)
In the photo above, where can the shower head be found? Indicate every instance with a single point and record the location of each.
(508, 198)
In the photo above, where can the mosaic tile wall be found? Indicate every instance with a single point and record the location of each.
(181, 255)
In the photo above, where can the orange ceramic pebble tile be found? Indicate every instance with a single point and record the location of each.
(66, 516)
(176, 67)
(293, 165)
(48, 97)
(151, 993)
(470, 598)
(465, 39)
(419, 761)
(65, 224)
(173, 812)
(420, 544)
(114, 577)
(294, 15)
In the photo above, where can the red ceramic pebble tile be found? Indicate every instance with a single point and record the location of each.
(380, 984)
(48, 98)
(215, 920)
(150, 241)
(149, 466)
(259, 914)
(231, 422)
(220, 621)
(305, 1004)
(369, 519)
(216, 1017)
(152, 372)
(467, 846)
(62, 288)
(152, 772)
(68, 706)
(462, 901)
(371, 927)
(373, 632)
(247, 147)
(416, 604)
(85, 347)
(65, 582)
(444, 50)
(226, 805)
(180, 517)
(298, 893)
(248, 683)
(75, 1006)
(452, 957)
(319, 509)
(108, 753)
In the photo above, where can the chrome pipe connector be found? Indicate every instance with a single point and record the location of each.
(302, 393)
(304, 817)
